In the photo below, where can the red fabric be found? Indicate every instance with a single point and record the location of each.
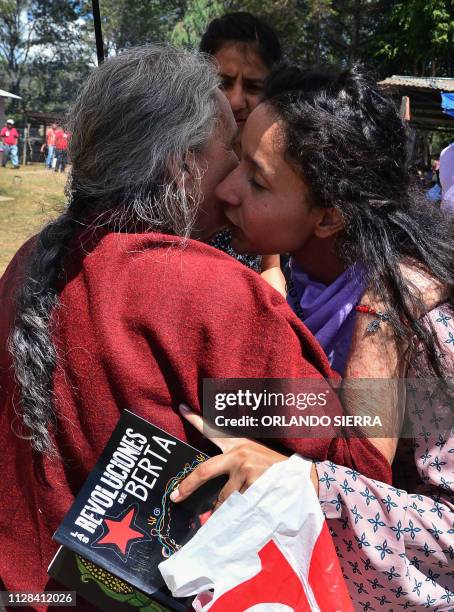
(326, 581)
(9, 135)
(61, 140)
(141, 323)
(276, 582)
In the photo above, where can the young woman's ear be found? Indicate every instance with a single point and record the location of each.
(330, 222)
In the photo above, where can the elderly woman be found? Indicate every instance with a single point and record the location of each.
(112, 306)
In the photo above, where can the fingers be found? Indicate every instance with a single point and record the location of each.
(242, 459)
(235, 483)
(192, 417)
(221, 464)
(212, 433)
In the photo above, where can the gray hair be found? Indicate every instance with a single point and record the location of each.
(133, 124)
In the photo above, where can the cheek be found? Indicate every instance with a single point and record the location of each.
(259, 223)
(253, 100)
(276, 227)
(219, 169)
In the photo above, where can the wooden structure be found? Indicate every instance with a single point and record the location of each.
(424, 95)
(35, 128)
(419, 99)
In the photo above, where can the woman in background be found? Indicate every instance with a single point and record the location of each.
(245, 49)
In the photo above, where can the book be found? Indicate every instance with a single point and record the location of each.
(123, 521)
(104, 590)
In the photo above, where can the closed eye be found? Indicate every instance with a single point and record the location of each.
(226, 83)
(256, 185)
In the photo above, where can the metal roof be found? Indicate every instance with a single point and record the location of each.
(6, 94)
(430, 83)
(425, 99)
(42, 117)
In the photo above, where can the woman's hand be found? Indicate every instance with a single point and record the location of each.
(242, 460)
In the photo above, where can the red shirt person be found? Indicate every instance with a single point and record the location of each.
(50, 144)
(61, 139)
(9, 134)
(50, 136)
(61, 148)
(10, 137)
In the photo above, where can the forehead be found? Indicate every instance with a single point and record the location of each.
(227, 124)
(238, 57)
(264, 135)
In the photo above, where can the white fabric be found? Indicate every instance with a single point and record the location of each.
(280, 505)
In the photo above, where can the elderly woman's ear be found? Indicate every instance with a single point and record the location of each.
(184, 171)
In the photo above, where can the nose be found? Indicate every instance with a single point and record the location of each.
(236, 97)
(227, 190)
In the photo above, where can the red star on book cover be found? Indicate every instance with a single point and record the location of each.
(120, 532)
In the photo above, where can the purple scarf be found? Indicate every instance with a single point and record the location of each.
(328, 311)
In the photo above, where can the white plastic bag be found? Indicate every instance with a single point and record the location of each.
(268, 549)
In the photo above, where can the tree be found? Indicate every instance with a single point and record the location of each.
(193, 23)
(35, 33)
(126, 24)
(416, 37)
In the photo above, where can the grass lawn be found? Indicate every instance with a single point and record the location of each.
(36, 196)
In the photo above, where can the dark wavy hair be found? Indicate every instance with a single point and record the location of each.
(246, 28)
(346, 139)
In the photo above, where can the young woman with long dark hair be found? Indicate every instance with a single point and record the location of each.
(323, 176)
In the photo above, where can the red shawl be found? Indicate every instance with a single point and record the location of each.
(141, 323)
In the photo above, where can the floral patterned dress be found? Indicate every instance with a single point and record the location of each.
(396, 547)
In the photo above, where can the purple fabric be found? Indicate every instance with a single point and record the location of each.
(328, 311)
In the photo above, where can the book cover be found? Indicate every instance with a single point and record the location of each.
(123, 520)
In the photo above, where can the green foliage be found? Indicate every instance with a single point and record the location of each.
(438, 141)
(126, 23)
(47, 47)
(416, 37)
(198, 13)
(39, 38)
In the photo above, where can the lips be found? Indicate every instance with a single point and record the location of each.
(240, 118)
(233, 228)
